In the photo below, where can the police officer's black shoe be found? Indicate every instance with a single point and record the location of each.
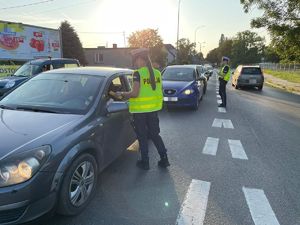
(163, 162)
(144, 165)
(222, 105)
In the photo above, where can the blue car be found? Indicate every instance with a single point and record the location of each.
(183, 86)
(32, 68)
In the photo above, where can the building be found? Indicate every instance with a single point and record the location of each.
(171, 50)
(118, 57)
(110, 57)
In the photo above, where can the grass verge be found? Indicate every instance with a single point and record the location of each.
(289, 76)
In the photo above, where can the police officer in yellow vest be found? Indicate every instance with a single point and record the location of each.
(145, 100)
(224, 76)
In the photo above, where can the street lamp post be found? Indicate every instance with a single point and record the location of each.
(200, 43)
(177, 29)
(195, 40)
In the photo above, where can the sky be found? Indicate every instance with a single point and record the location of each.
(105, 22)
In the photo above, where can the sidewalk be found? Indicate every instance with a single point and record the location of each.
(282, 84)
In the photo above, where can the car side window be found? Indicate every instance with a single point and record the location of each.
(197, 75)
(116, 85)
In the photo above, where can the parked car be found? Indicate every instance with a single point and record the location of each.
(182, 86)
(248, 76)
(209, 70)
(58, 131)
(203, 76)
(33, 68)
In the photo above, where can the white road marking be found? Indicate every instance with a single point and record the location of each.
(211, 146)
(222, 122)
(260, 209)
(219, 101)
(218, 96)
(193, 208)
(237, 149)
(221, 110)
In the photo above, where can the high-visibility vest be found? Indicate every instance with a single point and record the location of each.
(148, 100)
(225, 76)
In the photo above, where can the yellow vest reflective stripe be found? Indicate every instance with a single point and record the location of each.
(225, 76)
(148, 100)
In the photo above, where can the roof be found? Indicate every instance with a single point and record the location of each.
(183, 66)
(95, 71)
(250, 66)
(169, 47)
(43, 60)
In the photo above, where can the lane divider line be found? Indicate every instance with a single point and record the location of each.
(211, 146)
(222, 122)
(222, 110)
(237, 149)
(260, 208)
(193, 209)
(219, 101)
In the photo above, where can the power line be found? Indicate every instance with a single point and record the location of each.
(21, 6)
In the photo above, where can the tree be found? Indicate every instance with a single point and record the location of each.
(282, 19)
(149, 38)
(247, 48)
(222, 39)
(270, 55)
(71, 45)
(186, 51)
(213, 56)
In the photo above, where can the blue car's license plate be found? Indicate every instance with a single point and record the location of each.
(170, 99)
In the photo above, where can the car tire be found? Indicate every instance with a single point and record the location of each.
(80, 179)
(236, 86)
(260, 88)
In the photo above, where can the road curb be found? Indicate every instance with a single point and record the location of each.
(281, 87)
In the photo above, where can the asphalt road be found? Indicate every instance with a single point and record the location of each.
(257, 183)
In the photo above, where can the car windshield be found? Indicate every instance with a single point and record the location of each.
(251, 71)
(27, 70)
(178, 74)
(57, 93)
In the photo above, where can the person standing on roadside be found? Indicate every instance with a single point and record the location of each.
(145, 100)
(224, 76)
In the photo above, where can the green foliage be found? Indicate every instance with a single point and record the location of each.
(282, 19)
(224, 49)
(186, 51)
(72, 47)
(149, 38)
(289, 76)
(247, 48)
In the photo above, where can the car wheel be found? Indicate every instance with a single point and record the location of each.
(260, 87)
(78, 186)
(236, 86)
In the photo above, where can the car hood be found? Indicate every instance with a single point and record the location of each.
(18, 128)
(178, 85)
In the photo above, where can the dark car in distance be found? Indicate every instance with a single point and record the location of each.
(33, 68)
(58, 131)
(183, 86)
(248, 76)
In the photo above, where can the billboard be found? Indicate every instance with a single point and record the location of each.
(24, 42)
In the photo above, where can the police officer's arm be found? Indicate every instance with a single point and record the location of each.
(135, 87)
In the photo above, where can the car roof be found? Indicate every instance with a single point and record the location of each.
(250, 66)
(183, 66)
(46, 60)
(95, 71)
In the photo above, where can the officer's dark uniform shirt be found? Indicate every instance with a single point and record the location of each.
(136, 76)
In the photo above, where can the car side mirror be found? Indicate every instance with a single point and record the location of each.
(114, 107)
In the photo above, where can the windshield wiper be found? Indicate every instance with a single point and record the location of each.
(6, 107)
(34, 109)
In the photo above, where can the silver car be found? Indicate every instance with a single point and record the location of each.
(248, 76)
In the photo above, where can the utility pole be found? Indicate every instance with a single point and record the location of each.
(177, 30)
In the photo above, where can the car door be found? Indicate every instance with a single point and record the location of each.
(117, 127)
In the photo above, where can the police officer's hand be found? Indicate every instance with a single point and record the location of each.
(119, 95)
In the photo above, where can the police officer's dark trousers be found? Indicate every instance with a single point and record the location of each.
(147, 125)
(222, 91)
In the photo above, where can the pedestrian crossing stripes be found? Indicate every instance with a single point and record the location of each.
(237, 149)
(223, 123)
(211, 146)
(193, 208)
(221, 110)
(260, 209)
